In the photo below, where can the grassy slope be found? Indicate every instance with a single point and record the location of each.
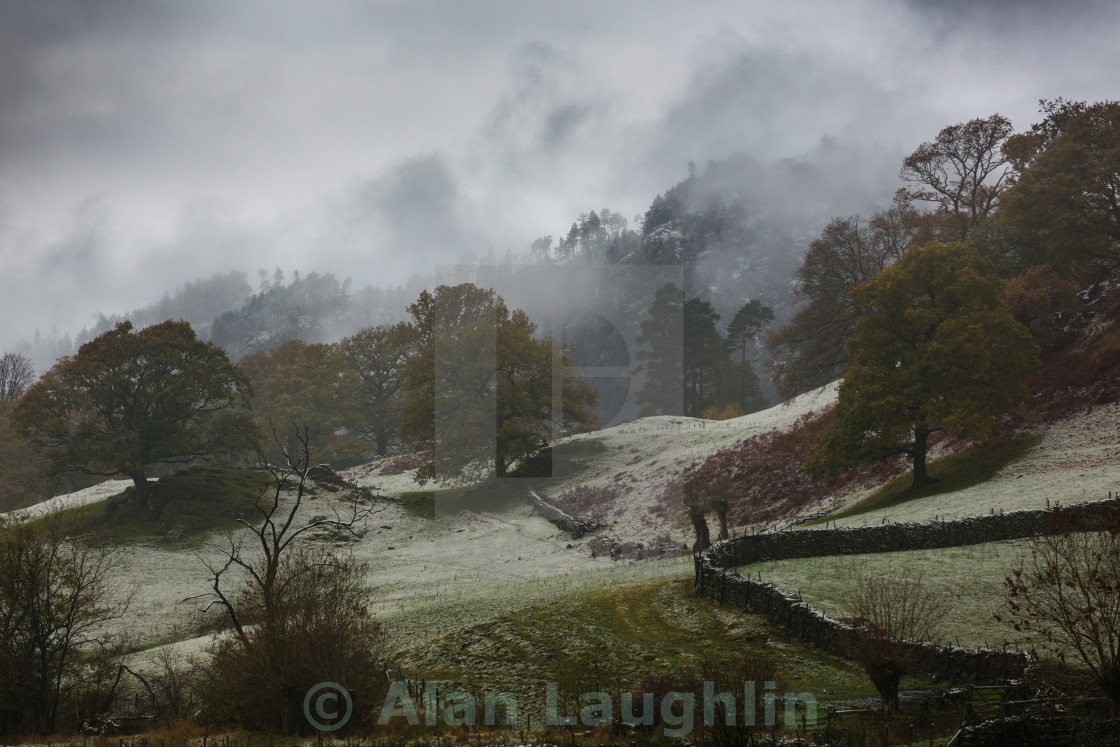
(188, 504)
(622, 634)
(971, 576)
(438, 634)
(965, 469)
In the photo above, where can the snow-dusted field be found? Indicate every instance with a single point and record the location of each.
(428, 575)
(645, 456)
(1077, 460)
(977, 595)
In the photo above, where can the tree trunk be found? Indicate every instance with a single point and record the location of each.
(921, 447)
(700, 524)
(722, 507)
(382, 442)
(1112, 690)
(141, 493)
(743, 378)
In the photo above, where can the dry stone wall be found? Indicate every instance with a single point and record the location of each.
(562, 520)
(713, 579)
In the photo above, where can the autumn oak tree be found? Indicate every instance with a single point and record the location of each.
(130, 400)
(935, 350)
(307, 384)
(479, 387)
(377, 355)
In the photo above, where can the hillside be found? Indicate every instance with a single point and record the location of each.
(437, 572)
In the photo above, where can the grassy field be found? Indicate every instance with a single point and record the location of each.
(186, 506)
(970, 576)
(959, 471)
(619, 636)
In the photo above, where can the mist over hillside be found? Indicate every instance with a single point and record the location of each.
(148, 148)
(730, 231)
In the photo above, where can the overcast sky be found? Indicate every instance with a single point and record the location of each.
(145, 144)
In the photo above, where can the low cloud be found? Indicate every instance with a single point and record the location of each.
(147, 145)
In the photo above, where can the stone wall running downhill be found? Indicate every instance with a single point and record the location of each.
(562, 520)
(805, 622)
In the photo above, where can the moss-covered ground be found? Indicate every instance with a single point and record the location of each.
(186, 506)
(615, 639)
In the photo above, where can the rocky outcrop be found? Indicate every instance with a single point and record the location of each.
(604, 546)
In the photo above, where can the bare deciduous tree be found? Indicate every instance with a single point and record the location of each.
(1068, 593)
(300, 614)
(892, 611)
(57, 593)
(173, 688)
(809, 351)
(16, 374)
(963, 171)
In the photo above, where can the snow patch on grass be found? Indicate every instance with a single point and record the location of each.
(93, 494)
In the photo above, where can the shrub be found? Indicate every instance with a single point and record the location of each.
(318, 629)
(762, 478)
(405, 462)
(726, 675)
(890, 612)
(1068, 592)
(588, 502)
(722, 413)
(56, 596)
(300, 618)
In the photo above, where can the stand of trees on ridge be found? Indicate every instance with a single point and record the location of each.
(129, 401)
(1038, 209)
(1019, 224)
(937, 310)
(688, 367)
